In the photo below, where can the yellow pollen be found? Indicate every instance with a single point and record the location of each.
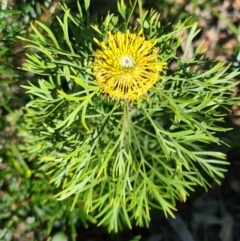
(127, 61)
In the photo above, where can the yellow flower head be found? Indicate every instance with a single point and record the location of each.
(127, 65)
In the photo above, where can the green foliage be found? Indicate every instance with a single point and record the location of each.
(118, 160)
(28, 209)
(8, 33)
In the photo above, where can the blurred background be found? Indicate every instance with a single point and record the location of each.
(28, 210)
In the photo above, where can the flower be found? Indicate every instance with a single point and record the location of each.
(127, 65)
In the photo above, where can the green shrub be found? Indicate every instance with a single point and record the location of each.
(120, 120)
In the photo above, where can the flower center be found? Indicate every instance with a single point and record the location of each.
(127, 61)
